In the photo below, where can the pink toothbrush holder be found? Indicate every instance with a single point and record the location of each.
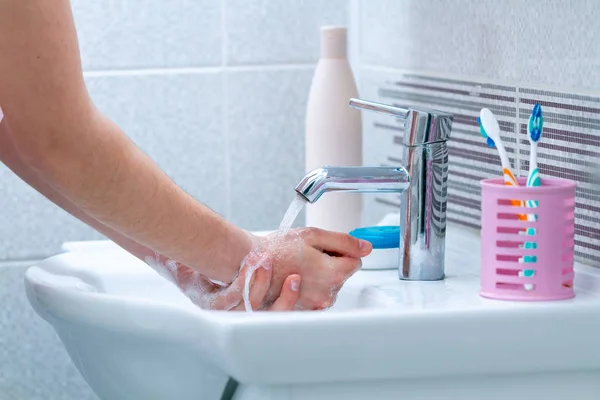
(523, 264)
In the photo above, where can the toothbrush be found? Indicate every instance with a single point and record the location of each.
(490, 129)
(534, 133)
(489, 140)
(535, 127)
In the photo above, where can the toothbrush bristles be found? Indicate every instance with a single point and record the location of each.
(536, 121)
(489, 140)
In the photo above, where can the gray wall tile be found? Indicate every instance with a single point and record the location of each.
(34, 363)
(127, 34)
(30, 225)
(267, 31)
(266, 134)
(464, 37)
(558, 43)
(177, 121)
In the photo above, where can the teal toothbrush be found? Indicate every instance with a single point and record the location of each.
(535, 126)
(534, 133)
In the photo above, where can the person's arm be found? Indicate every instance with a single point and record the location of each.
(189, 281)
(10, 157)
(87, 158)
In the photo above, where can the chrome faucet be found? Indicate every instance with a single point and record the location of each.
(422, 183)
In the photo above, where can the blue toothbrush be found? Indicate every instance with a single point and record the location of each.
(534, 132)
(535, 127)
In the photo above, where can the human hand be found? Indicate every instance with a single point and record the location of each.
(211, 295)
(324, 259)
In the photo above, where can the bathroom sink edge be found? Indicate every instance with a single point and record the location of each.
(414, 347)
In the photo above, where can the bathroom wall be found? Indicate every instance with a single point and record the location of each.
(215, 92)
(463, 55)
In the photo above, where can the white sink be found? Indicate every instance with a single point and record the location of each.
(135, 336)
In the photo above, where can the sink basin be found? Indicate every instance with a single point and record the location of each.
(134, 335)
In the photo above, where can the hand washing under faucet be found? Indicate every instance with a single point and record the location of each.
(421, 182)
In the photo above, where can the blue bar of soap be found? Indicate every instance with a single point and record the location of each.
(381, 237)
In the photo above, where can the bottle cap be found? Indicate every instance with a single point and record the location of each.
(334, 42)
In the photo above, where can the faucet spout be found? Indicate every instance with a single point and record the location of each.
(353, 179)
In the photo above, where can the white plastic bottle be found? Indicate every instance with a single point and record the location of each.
(333, 131)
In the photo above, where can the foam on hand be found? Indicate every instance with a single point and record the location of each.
(205, 292)
(200, 290)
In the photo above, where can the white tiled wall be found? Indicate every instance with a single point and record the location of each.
(558, 44)
(278, 32)
(265, 120)
(132, 34)
(443, 36)
(545, 42)
(215, 92)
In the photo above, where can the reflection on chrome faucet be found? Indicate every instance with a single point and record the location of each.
(353, 179)
(422, 184)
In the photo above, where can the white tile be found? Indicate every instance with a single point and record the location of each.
(34, 363)
(177, 121)
(266, 133)
(268, 31)
(376, 142)
(558, 44)
(30, 225)
(458, 37)
(128, 34)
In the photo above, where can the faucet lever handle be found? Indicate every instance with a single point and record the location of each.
(400, 113)
(421, 126)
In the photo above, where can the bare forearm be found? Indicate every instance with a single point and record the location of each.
(116, 183)
(10, 156)
(86, 158)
